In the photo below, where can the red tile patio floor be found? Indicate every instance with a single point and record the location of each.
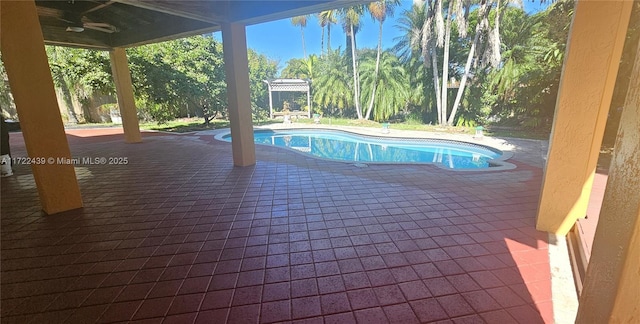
(179, 235)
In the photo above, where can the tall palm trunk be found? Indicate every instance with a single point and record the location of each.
(322, 42)
(481, 21)
(304, 50)
(356, 81)
(445, 65)
(375, 74)
(328, 37)
(436, 81)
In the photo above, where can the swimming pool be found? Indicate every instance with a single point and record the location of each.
(345, 146)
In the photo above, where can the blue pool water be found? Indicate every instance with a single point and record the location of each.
(343, 146)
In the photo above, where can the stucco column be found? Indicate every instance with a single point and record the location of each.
(236, 65)
(124, 89)
(589, 73)
(611, 292)
(25, 61)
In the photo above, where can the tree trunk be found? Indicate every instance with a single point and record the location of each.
(375, 75)
(322, 42)
(68, 101)
(304, 51)
(328, 37)
(356, 82)
(445, 65)
(436, 81)
(483, 11)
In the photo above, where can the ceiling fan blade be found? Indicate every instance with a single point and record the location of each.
(102, 27)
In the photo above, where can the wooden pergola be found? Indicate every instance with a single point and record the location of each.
(289, 85)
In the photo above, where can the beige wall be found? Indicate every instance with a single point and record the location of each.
(589, 73)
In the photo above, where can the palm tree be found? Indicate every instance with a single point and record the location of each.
(417, 49)
(483, 23)
(455, 11)
(385, 79)
(331, 85)
(302, 22)
(326, 19)
(301, 68)
(379, 11)
(350, 22)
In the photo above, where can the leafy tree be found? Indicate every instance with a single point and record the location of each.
(6, 100)
(331, 88)
(384, 79)
(301, 68)
(260, 68)
(523, 89)
(80, 74)
(160, 89)
(189, 72)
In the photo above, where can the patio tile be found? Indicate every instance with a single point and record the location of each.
(362, 298)
(342, 318)
(401, 314)
(305, 307)
(217, 299)
(291, 239)
(185, 303)
(371, 315)
(244, 314)
(330, 284)
(414, 290)
(120, 311)
(151, 308)
(356, 280)
(334, 303)
(388, 295)
(304, 287)
(247, 295)
(276, 311)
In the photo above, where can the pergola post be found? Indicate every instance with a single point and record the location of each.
(611, 292)
(124, 90)
(236, 64)
(589, 74)
(270, 100)
(309, 101)
(27, 67)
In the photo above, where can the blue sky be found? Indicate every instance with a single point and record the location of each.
(281, 41)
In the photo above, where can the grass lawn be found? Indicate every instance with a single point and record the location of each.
(185, 125)
(195, 124)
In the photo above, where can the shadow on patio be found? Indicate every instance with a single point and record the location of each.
(180, 235)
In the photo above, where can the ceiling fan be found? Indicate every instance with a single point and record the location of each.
(78, 23)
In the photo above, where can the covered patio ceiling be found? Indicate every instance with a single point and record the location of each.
(109, 24)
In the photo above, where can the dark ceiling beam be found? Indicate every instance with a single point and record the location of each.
(200, 10)
(174, 36)
(170, 27)
(86, 39)
(76, 45)
(99, 7)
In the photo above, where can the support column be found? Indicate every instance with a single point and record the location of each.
(309, 100)
(611, 292)
(236, 65)
(589, 73)
(25, 61)
(124, 90)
